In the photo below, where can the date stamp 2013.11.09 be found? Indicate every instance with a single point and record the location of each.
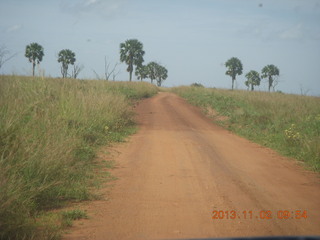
(259, 215)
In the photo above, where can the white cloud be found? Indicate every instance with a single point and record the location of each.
(14, 28)
(294, 33)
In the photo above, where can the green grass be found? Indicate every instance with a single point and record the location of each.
(288, 123)
(69, 216)
(50, 131)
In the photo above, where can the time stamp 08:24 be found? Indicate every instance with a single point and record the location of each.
(260, 215)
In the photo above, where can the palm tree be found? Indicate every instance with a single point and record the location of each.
(157, 72)
(131, 52)
(234, 66)
(253, 79)
(34, 52)
(66, 57)
(152, 70)
(269, 72)
(142, 72)
(162, 74)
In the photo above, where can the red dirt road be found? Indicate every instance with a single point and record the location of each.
(180, 167)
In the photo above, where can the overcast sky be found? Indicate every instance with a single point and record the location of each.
(191, 38)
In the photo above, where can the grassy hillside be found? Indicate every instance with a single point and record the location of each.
(287, 123)
(49, 133)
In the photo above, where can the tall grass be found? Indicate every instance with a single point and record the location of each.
(49, 132)
(287, 123)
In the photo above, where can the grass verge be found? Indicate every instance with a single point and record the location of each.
(288, 123)
(50, 130)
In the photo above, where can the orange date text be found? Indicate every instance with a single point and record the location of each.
(260, 215)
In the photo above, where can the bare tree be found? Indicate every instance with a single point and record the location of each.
(5, 55)
(303, 91)
(108, 70)
(276, 81)
(114, 74)
(76, 70)
(97, 75)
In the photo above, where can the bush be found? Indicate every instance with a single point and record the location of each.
(196, 85)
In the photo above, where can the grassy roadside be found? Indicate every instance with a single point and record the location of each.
(290, 124)
(50, 130)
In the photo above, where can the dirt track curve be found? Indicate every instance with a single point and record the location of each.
(180, 167)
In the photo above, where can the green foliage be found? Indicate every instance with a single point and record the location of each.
(66, 57)
(270, 71)
(142, 72)
(253, 79)
(162, 74)
(74, 214)
(50, 130)
(152, 70)
(287, 123)
(34, 52)
(234, 68)
(157, 72)
(131, 52)
(69, 216)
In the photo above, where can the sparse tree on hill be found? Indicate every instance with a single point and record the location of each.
(152, 71)
(5, 55)
(66, 57)
(157, 72)
(34, 52)
(253, 79)
(131, 52)
(162, 74)
(142, 72)
(270, 72)
(235, 68)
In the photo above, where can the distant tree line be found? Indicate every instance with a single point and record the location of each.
(131, 53)
(234, 68)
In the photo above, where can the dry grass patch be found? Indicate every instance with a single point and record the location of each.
(49, 133)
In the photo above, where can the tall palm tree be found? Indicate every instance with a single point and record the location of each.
(269, 72)
(34, 52)
(253, 79)
(131, 52)
(66, 57)
(234, 66)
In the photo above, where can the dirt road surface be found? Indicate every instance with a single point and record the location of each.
(180, 168)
